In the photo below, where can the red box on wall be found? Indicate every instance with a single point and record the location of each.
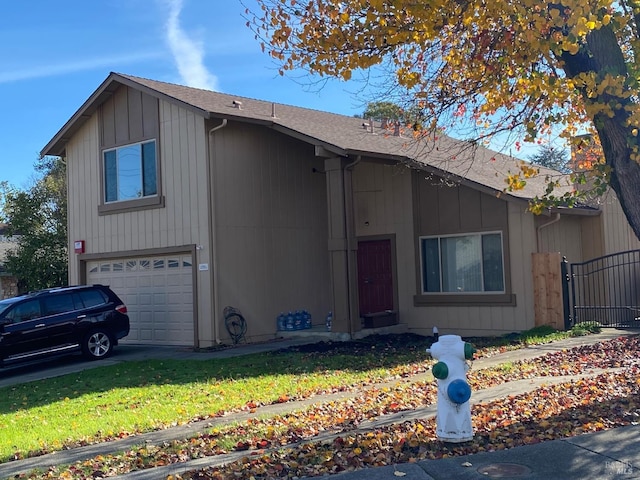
(78, 246)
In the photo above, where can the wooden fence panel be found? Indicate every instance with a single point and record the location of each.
(547, 290)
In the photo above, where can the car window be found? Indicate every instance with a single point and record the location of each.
(55, 304)
(91, 298)
(5, 304)
(25, 311)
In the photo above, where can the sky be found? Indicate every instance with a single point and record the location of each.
(55, 54)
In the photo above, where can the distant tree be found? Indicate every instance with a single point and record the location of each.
(552, 157)
(383, 111)
(37, 219)
(392, 114)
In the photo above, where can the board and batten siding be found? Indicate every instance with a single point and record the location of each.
(564, 236)
(384, 199)
(582, 238)
(618, 235)
(270, 226)
(182, 222)
(383, 206)
(481, 320)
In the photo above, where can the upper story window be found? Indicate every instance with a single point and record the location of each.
(130, 172)
(469, 263)
(130, 157)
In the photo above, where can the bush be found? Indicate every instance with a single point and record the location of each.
(585, 328)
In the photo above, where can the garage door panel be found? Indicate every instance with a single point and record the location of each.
(159, 279)
(158, 293)
(159, 299)
(145, 335)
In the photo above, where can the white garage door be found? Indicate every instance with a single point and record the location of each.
(158, 293)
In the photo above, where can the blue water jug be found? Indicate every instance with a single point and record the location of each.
(290, 325)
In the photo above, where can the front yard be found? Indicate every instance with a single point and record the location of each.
(114, 402)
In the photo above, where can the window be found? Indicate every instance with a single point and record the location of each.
(92, 297)
(130, 172)
(471, 263)
(25, 311)
(56, 304)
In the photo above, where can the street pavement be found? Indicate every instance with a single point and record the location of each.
(611, 454)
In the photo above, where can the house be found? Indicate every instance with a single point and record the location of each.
(187, 201)
(8, 283)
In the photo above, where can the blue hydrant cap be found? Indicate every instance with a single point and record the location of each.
(459, 391)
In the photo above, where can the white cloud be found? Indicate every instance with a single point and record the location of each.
(188, 53)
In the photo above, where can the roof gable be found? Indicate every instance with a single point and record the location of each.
(339, 134)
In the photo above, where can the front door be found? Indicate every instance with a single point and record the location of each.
(375, 276)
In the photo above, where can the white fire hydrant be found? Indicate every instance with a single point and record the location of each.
(453, 417)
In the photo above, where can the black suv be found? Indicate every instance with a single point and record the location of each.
(57, 320)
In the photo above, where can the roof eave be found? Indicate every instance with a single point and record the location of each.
(585, 211)
(333, 149)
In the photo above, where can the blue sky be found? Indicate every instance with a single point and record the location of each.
(55, 54)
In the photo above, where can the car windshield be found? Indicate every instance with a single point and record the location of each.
(4, 304)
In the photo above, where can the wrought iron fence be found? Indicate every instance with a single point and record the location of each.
(604, 290)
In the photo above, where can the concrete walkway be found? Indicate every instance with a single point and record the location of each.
(613, 454)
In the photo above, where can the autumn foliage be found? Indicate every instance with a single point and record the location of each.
(520, 66)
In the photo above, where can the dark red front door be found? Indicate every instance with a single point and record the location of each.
(375, 276)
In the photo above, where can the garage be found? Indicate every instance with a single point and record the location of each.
(158, 293)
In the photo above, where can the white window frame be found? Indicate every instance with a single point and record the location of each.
(141, 170)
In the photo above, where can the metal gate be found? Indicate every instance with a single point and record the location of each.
(604, 290)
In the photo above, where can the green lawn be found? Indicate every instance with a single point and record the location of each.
(109, 402)
(113, 401)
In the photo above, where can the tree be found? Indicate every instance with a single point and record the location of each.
(392, 114)
(383, 111)
(518, 66)
(551, 157)
(37, 218)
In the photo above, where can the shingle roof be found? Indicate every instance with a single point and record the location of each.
(339, 134)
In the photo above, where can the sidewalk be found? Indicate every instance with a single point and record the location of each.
(610, 454)
(613, 454)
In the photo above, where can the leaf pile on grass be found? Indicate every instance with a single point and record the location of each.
(546, 413)
(108, 403)
(559, 411)
(615, 353)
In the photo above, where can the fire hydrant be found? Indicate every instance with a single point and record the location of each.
(453, 417)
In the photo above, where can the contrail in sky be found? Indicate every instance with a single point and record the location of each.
(188, 53)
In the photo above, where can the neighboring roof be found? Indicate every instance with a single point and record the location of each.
(339, 134)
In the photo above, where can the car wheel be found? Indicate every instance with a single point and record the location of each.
(97, 344)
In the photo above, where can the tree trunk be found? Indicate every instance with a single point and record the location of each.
(602, 55)
(625, 173)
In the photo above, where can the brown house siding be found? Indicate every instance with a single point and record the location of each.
(448, 210)
(270, 226)
(128, 116)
